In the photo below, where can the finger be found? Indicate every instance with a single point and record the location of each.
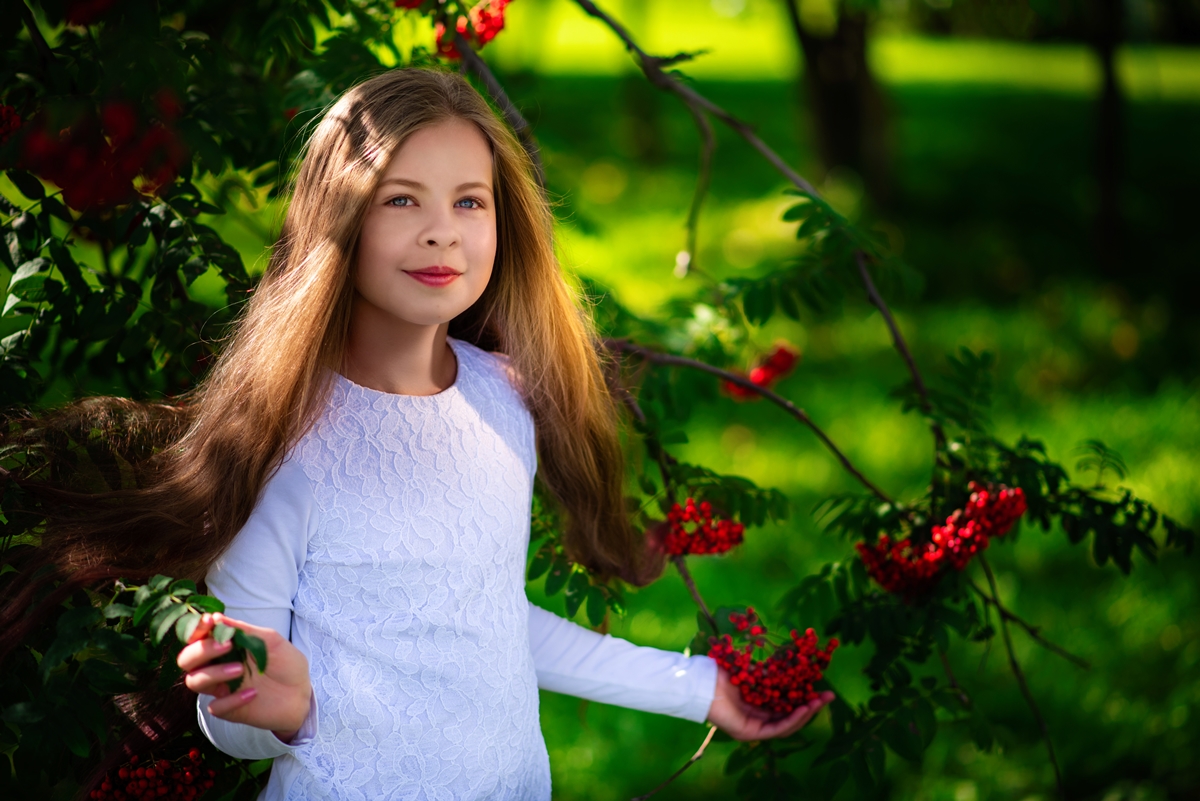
(203, 628)
(200, 653)
(208, 678)
(753, 712)
(228, 707)
(794, 720)
(258, 631)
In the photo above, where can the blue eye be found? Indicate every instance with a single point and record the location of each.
(407, 201)
(476, 203)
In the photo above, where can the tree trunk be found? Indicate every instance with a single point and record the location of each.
(847, 108)
(1110, 139)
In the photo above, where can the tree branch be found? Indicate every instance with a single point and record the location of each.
(681, 564)
(695, 757)
(1032, 630)
(1020, 676)
(652, 67)
(624, 346)
(954, 685)
(512, 115)
(901, 346)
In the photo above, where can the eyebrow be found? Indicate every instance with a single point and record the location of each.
(419, 185)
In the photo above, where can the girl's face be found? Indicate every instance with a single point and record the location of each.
(429, 238)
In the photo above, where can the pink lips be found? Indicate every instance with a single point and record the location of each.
(434, 276)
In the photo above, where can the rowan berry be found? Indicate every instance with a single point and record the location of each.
(777, 364)
(692, 530)
(782, 681)
(913, 569)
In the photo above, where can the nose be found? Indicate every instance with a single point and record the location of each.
(441, 231)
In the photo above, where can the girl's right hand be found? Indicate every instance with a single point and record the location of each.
(278, 700)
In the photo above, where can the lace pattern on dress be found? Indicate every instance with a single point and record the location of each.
(412, 598)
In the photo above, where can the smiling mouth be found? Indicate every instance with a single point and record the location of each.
(434, 276)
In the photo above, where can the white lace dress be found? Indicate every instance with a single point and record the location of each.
(390, 547)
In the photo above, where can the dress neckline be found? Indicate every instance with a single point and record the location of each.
(438, 398)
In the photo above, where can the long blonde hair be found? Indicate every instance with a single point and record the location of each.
(271, 380)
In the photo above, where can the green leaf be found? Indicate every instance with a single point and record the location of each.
(254, 646)
(186, 626)
(597, 606)
(118, 610)
(164, 622)
(577, 591)
(30, 187)
(800, 211)
(156, 602)
(205, 603)
(73, 735)
(981, 732)
(223, 633)
(744, 756)
(556, 579)
(541, 561)
(902, 736)
(24, 713)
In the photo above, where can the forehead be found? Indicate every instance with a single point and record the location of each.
(449, 152)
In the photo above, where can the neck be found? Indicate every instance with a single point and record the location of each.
(396, 356)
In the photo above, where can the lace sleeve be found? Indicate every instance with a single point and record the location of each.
(577, 661)
(257, 579)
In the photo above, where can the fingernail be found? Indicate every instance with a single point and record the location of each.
(232, 670)
(247, 693)
(223, 646)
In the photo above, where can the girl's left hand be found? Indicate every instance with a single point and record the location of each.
(741, 721)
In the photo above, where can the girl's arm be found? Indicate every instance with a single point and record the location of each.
(577, 661)
(257, 579)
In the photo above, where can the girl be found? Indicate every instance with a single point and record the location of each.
(362, 458)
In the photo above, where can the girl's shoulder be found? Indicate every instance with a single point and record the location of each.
(491, 365)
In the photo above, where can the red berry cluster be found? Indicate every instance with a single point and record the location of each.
(913, 569)
(693, 530)
(182, 780)
(781, 682)
(96, 159)
(85, 12)
(487, 20)
(778, 363)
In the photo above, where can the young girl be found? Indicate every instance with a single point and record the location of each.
(408, 361)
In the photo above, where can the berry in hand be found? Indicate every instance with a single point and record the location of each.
(782, 681)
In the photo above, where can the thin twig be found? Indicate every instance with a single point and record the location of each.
(708, 143)
(695, 757)
(515, 119)
(901, 346)
(681, 564)
(1020, 676)
(1032, 630)
(954, 685)
(652, 67)
(795, 411)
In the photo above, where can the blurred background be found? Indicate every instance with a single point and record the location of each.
(1037, 162)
